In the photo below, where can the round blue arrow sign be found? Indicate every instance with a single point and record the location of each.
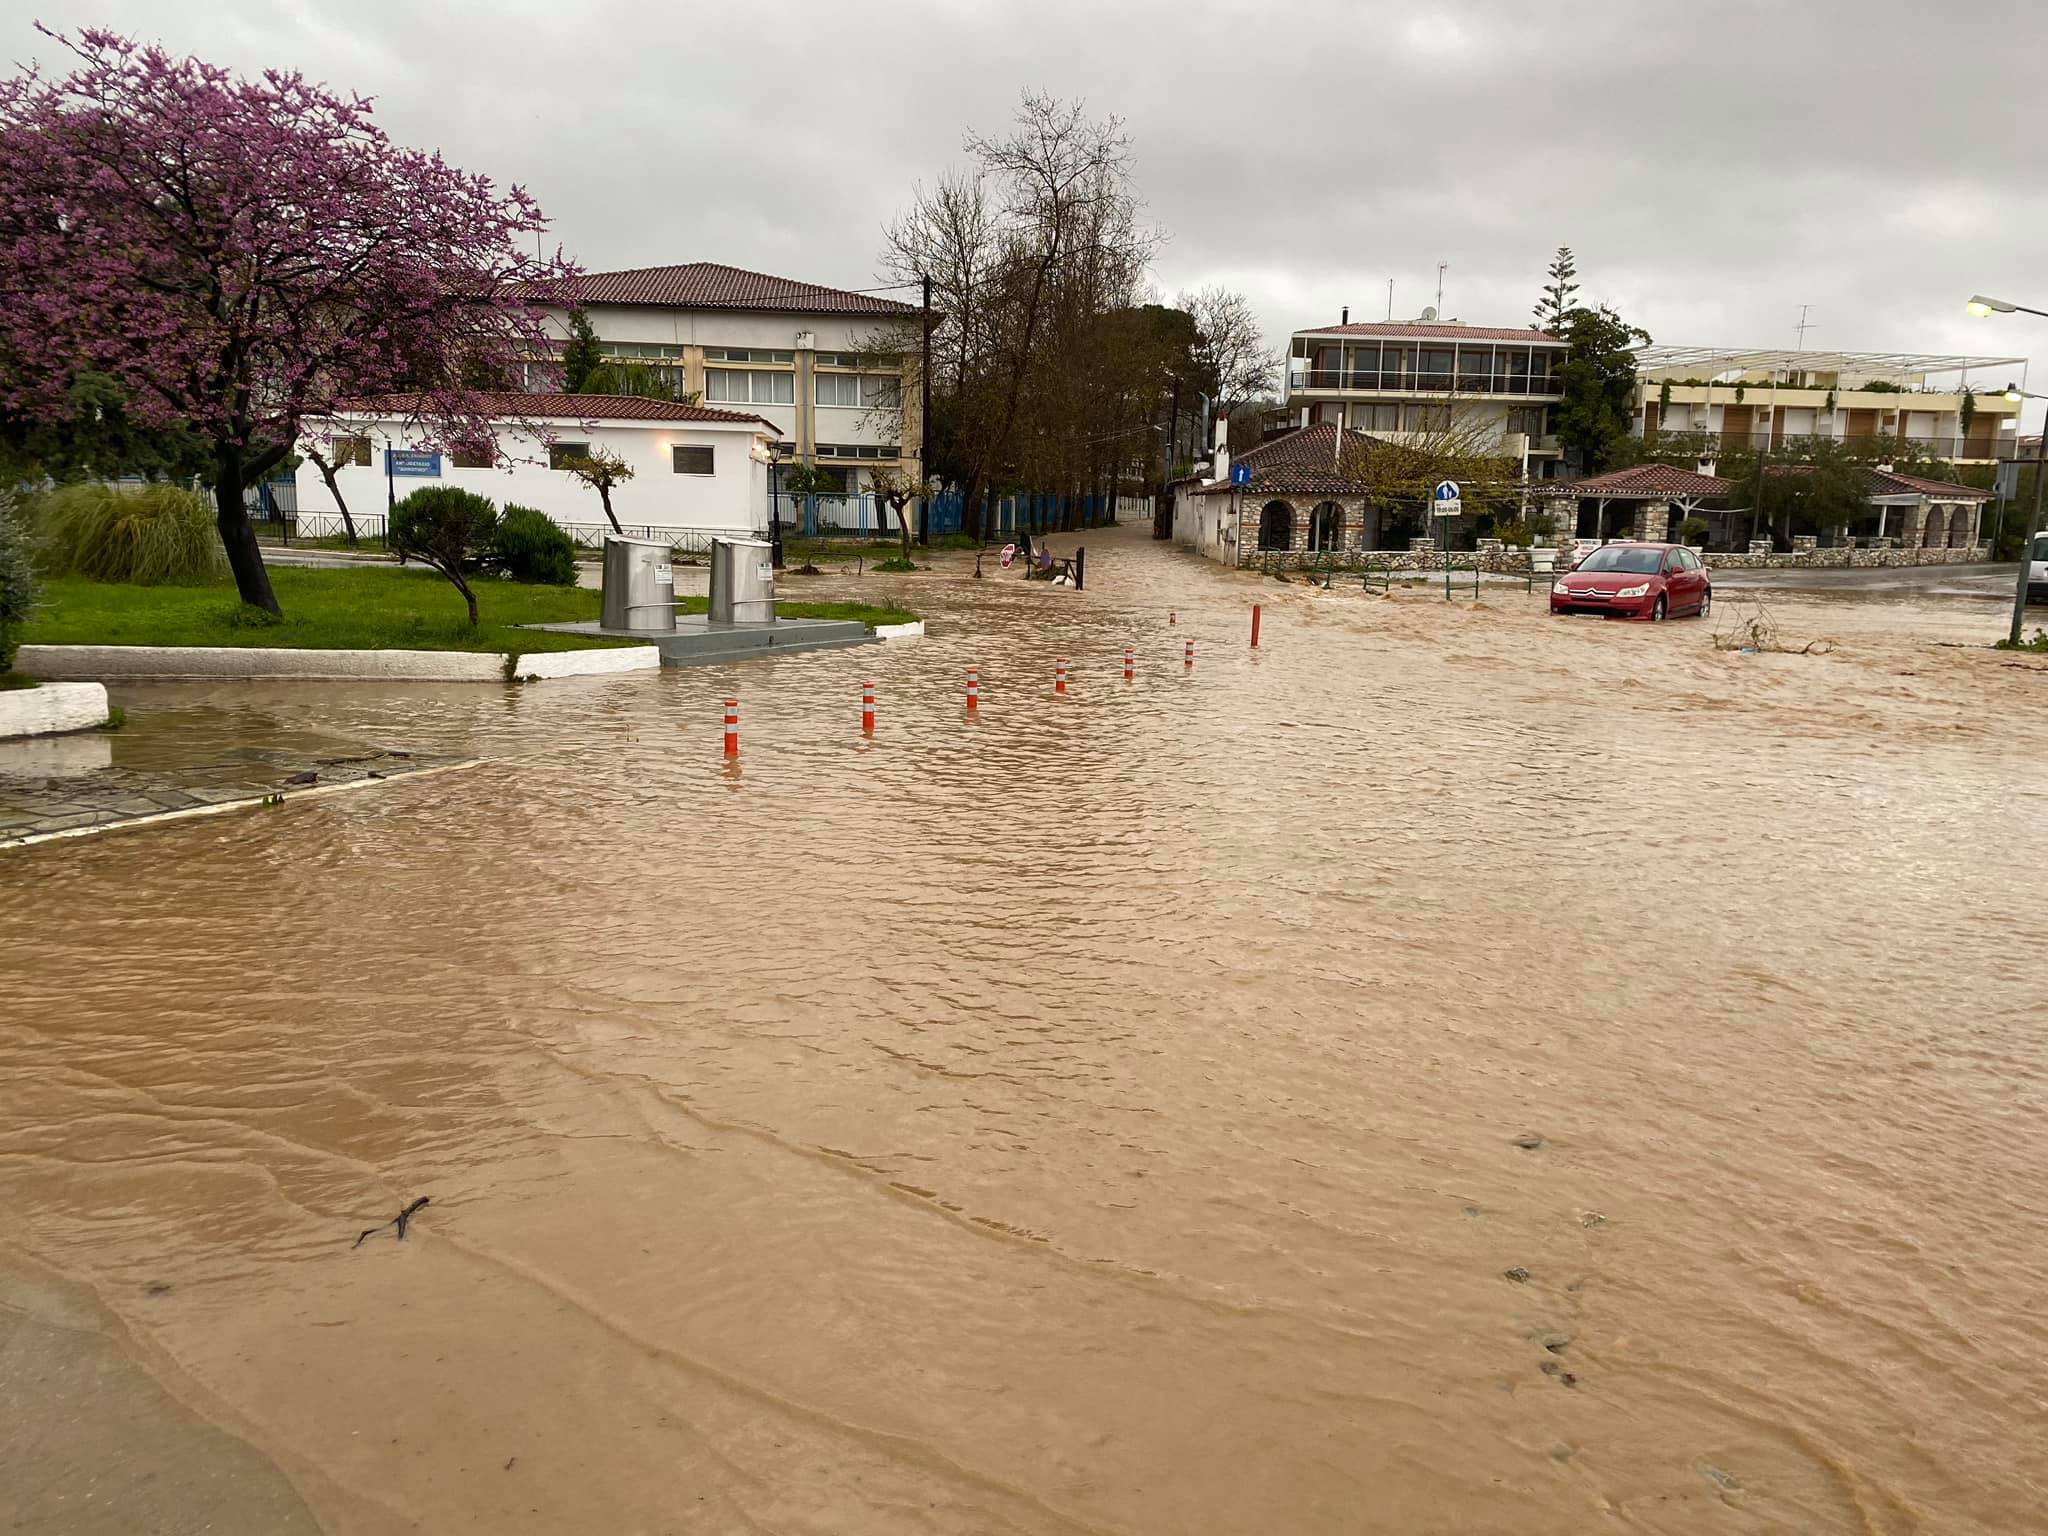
(1447, 490)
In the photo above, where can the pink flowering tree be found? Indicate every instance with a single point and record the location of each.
(248, 256)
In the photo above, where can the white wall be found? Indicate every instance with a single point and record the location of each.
(732, 500)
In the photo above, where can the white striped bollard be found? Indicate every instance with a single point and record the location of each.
(1059, 674)
(1188, 656)
(1128, 663)
(867, 709)
(974, 688)
(732, 727)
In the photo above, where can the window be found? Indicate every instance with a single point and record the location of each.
(742, 355)
(691, 459)
(881, 391)
(1674, 562)
(558, 452)
(1429, 418)
(1634, 561)
(640, 352)
(838, 389)
(474, 456)
(1525, 418)
(349, 450)
(733, 386)
(857, 450)
(1433, 368)
(1376, 418)
(1365, 366)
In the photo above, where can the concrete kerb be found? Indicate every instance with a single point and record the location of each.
(158, 662)
(911, 631)
(52, 709)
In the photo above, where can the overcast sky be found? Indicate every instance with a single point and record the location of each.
(1714, 166)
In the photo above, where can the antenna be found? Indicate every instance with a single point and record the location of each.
(1390, 301)
(1802, 327)
(1441, 267)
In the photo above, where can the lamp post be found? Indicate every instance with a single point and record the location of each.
(1981, 305)
(2019, 596)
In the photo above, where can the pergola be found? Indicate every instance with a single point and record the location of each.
(1684, 489)
(1712, 362)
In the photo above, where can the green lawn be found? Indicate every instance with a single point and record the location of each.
(372, 607)
(358, 608)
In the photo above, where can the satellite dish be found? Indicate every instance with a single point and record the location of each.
(1429, 312)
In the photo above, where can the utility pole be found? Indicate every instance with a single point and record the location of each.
(1390, 301)
(1440, 266)
(2019, 596)
(924, 421)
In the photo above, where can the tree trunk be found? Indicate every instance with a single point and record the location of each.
(604, 494)
(327, 473)
(468, 596)
(903, 524)
(238, 536)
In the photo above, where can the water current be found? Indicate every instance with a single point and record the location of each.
(1449, 1070)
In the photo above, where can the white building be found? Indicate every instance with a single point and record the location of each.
(698, 470)
(834, 370)
(1411, 380)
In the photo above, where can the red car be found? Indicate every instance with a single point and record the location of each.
(1635, 581)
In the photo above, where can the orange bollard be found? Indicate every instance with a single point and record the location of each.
(1255, 626)
(974, 687)
(1172, 617)
(1059, 674)
(867, 709)
(1188, 657)
(732, 727)
(1127, 664)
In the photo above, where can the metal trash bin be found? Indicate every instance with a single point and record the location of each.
(639, 585)
(742, 581)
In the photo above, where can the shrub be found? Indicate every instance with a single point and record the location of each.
(1692, 528)
(17, 580)
(532, 547)
(449, 529)
(152, 535)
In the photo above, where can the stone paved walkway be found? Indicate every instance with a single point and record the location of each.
(66, 783)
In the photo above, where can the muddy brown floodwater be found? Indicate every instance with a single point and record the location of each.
(1105, 1115)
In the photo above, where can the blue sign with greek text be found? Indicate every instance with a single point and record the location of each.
(416, 462)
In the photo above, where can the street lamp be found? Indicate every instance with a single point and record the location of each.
(1983, 306)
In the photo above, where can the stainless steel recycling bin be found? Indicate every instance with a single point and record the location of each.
(639, 585)
(742, 581)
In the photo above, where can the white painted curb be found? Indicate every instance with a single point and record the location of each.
(52, 708)
(227, 661)
(624, 658)
(911, 631)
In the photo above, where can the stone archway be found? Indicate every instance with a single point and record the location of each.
(1326, 528)
(1276, 526)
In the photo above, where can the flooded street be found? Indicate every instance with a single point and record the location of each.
(1450, 1070)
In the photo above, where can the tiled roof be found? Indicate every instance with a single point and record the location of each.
(1303, 463)
(1646, 480)
(1885, 482)
(1400, 329)
(576, 407)
(713, 285)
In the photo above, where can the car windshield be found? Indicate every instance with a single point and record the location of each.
(1614, 557)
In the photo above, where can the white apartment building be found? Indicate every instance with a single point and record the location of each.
(1761, 398)
(1406, 379)
(801, 355)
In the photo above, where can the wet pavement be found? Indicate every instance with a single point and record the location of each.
(1450, 1070)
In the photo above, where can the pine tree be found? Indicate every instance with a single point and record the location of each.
(582, 356)
(1556, 302)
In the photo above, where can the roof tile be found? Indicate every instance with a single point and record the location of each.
(575, 407)
(713, 285)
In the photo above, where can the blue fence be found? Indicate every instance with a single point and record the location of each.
(868, 515)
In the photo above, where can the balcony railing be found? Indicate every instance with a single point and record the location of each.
(1428, 383)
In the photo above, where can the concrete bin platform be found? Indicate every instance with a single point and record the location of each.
(696, 638)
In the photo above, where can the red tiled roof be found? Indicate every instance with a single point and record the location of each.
(1646, 480)
(713, 285)
(1412, 330)
(1885, 482)
(576, 407)
(1303, 463)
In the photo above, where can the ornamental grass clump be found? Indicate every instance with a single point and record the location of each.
(149, 535)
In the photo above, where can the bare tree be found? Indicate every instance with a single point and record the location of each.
(601, 471)
(1237, 368)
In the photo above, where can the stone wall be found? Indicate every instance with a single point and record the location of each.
(1841, 557)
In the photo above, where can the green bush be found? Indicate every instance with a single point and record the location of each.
(532, 547)
(151, 535)
(449, 529)
(17, 579)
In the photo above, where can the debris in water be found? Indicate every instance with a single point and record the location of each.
(399, 1221)
(1518, 1274)
(310, 776)
(1592, 1219)
(1528, 1141)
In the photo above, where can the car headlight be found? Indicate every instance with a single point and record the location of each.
(1641, 591)
(1557, 589)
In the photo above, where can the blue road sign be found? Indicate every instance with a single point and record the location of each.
(416, 462)
(1240, 474)
(1447, 490)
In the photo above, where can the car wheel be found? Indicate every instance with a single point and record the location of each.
(1657, 613)
(1707, 603)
